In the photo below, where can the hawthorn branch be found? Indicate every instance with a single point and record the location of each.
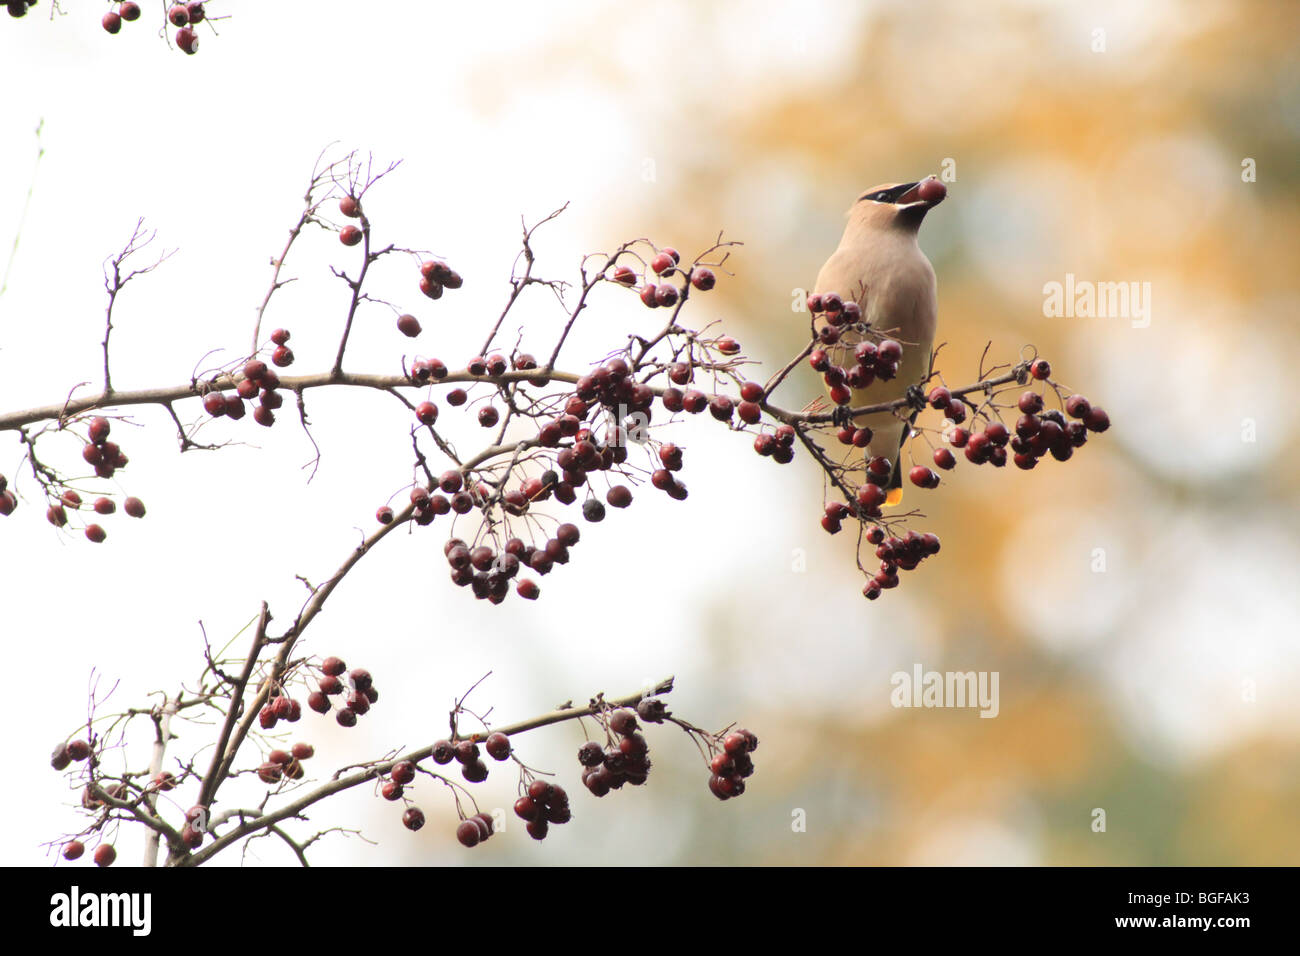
(347, 782)
(220, 766)
(162, 718)
(519, 283)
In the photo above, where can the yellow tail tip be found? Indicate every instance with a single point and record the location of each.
(893, 497)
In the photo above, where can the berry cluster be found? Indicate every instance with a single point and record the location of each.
(57, 513)
(1038, 432)
(402, 773)
(657, 295)
(105, 854)
(732, 764)
(466, 753)
(435, 276)
(624, 760)
(196, 818)
(106, 458)
(280, 707)
(871, 360)
(543, 804)
(897, 554)
(330, 684)
(474, 830)
(65, 753)
(285, 764)
(182, 15)
(260, 382)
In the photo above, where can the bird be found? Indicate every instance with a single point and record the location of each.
(880, 266)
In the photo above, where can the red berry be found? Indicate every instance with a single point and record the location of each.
(73, 849)
(384, 515)
(889, 351)
(112, 22)
(282, 356)
(350, 207)
(78, 750)
(648, 296)
(264, 416)
(347, 717)
(721, 408)
(623, 721)
(624, 275)
(427, 413)
(498, 746)
(130, 10)
(280, 336)
(95, 533)
(413, 818)
(488, 416)
(1040, 369)
(619, 496)
(666, 295)
(214, 403)
(350, 235)
(1076, 406)
(1030, 403)
(703, 279)
(188, 41)
(1097, 420)
(178, 15)
(105, 855)
(997, 433)
(661, 263)
(408, 325)
(871, 495)
(735, 743)
(403, 772)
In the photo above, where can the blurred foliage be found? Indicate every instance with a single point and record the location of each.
(1121, 165)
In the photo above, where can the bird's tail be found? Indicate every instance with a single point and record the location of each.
(894, 492)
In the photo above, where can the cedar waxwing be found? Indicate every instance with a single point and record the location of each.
(880, 266)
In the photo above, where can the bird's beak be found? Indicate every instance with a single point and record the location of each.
(912, 195)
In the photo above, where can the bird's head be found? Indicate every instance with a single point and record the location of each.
(899, 205)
